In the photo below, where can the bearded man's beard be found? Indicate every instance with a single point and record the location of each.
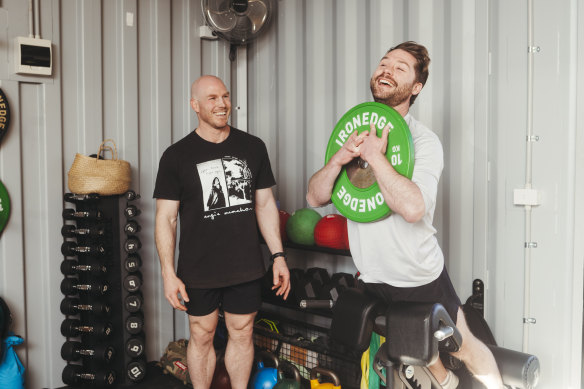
(391, 98)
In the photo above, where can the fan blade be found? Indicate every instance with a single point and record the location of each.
(220, 15)
(257, 12)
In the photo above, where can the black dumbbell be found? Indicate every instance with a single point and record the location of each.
(76, 375)
(80, 198)
(131, 195)
(311, 284)
(132, 227)
(330, 291)
(71, 214)
(70, 286)
(309, 289)
(71, 231)
(132, 282)
(74, 327)
(136, 370)
(133, 302)
(132, 244)
(135, 347)
(132, 263)
(135, 323)
(343, 279)
(296, 276)
(131, 211)
(318, 274)
(92, 267)
(72, 248)
(72, 306)
(74, 351)
(338, 283)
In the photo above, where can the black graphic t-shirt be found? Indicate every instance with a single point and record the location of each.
(215, 184)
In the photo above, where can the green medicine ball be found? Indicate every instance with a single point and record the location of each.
(300, 226)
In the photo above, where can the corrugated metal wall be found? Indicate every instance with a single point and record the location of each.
(123, 70)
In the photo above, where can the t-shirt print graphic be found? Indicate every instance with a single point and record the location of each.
(226, 182)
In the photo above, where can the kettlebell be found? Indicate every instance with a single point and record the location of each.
(315, 383)
(287, 383)
(265, 377)
(220, 377)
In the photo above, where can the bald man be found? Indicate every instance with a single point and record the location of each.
(218, 179)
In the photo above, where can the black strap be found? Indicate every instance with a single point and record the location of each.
(278, 254)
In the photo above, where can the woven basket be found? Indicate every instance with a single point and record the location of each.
(102, 176)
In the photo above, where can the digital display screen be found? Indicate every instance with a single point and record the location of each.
(35, 56)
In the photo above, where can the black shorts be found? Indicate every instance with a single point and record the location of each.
(239, 299)
(440, 291)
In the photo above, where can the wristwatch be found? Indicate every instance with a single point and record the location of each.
(278, 254)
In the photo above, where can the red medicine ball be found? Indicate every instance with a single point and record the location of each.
(331, 231)
(283, 219)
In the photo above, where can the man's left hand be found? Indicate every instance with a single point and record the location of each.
(281, 277)
(374, 146)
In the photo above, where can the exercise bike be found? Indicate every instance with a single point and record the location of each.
(416, 335)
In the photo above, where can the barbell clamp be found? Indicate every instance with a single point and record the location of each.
(443, 332)
(529, 320)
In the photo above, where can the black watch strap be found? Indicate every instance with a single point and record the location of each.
(278, 254)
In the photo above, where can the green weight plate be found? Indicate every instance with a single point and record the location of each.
(356, 194)
(4, 207)
(4, 115)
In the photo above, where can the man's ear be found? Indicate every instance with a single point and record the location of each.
(195, 105)
(417, 88)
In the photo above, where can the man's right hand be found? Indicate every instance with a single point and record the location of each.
(321, 183)
(350, 149)
(172, 287)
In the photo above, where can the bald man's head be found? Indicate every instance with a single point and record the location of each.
(211, 102)
(202, 83)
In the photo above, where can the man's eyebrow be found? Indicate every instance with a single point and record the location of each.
(397, 60)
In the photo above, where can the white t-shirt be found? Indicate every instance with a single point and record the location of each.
(396, 252)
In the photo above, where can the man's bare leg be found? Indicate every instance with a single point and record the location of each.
(477, 357)
(239, 352)
(200, 351)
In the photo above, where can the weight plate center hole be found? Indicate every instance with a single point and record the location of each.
(360, 174)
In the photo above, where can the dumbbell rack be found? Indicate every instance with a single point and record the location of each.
(102, 232)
